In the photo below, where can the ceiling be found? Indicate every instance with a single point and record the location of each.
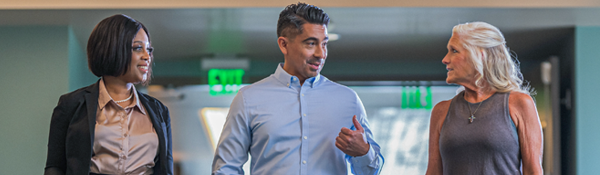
(382, 34)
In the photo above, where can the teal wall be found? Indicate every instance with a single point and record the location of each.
(37, 65)
(587, 96)
(79, 74)
(33, 74)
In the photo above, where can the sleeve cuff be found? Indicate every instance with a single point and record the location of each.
(365, 159)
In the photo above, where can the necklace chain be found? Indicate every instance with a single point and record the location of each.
(127, 99)
(473, 113)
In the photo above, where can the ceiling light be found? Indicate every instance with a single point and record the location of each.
(333, 36)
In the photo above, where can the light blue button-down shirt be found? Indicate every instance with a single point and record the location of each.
(290, 129)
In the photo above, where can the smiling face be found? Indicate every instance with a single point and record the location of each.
(141, 57)
(460, 69)
(305, 54)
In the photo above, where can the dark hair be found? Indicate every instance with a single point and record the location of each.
(294, 16)
(109, 45)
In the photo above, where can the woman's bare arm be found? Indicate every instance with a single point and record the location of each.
(438, 115)
(524, 114)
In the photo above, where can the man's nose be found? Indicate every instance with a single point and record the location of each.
(321, 53)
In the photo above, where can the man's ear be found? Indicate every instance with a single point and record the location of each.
(283, 44)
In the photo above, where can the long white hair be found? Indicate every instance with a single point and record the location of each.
(491, 58)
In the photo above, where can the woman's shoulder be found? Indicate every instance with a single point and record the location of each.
(442, 105)
(156, 105)
(153, 102)
(149, 98)
(517, 98)
(438, 115)
(441, 108)
(521, 107)
(76, 95)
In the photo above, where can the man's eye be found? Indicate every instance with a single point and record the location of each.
(454, 51)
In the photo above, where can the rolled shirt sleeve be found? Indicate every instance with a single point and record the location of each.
(372, 162)
(232, 150)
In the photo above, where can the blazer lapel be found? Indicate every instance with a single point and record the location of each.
(158, 127)
(91, 99)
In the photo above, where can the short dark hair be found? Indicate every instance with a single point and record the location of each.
(109, 46)
(294, 16)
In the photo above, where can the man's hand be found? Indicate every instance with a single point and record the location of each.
(353, 143)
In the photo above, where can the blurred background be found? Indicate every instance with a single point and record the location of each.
(389, 52)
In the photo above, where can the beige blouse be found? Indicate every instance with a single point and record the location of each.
(125, 141)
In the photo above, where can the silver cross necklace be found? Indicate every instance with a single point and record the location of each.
(473, 113)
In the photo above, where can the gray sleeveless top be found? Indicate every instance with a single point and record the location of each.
(489, 145)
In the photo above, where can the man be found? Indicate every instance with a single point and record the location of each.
(296, 121)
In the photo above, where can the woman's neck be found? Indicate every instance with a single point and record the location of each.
(117, 88)
(475, 94)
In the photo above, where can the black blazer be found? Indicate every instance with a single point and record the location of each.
(72, 133)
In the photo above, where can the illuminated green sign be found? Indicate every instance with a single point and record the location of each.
(225, 81)
(412, 97)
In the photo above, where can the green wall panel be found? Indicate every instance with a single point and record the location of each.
(33, 74)
(587, 81)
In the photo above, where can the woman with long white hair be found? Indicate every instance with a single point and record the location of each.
(492, 126)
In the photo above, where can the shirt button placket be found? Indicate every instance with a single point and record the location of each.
(304, 137)
(125, 144)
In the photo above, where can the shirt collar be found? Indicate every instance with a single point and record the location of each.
(287, 79)
(137, 102)
(104, 98)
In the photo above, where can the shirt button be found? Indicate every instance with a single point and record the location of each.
(304, 115)
(303, 95)
(294, 79)
(304, 162)
(305, 137)
(288, 84)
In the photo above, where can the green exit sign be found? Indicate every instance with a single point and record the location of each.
(415, 97)
(225, 81)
